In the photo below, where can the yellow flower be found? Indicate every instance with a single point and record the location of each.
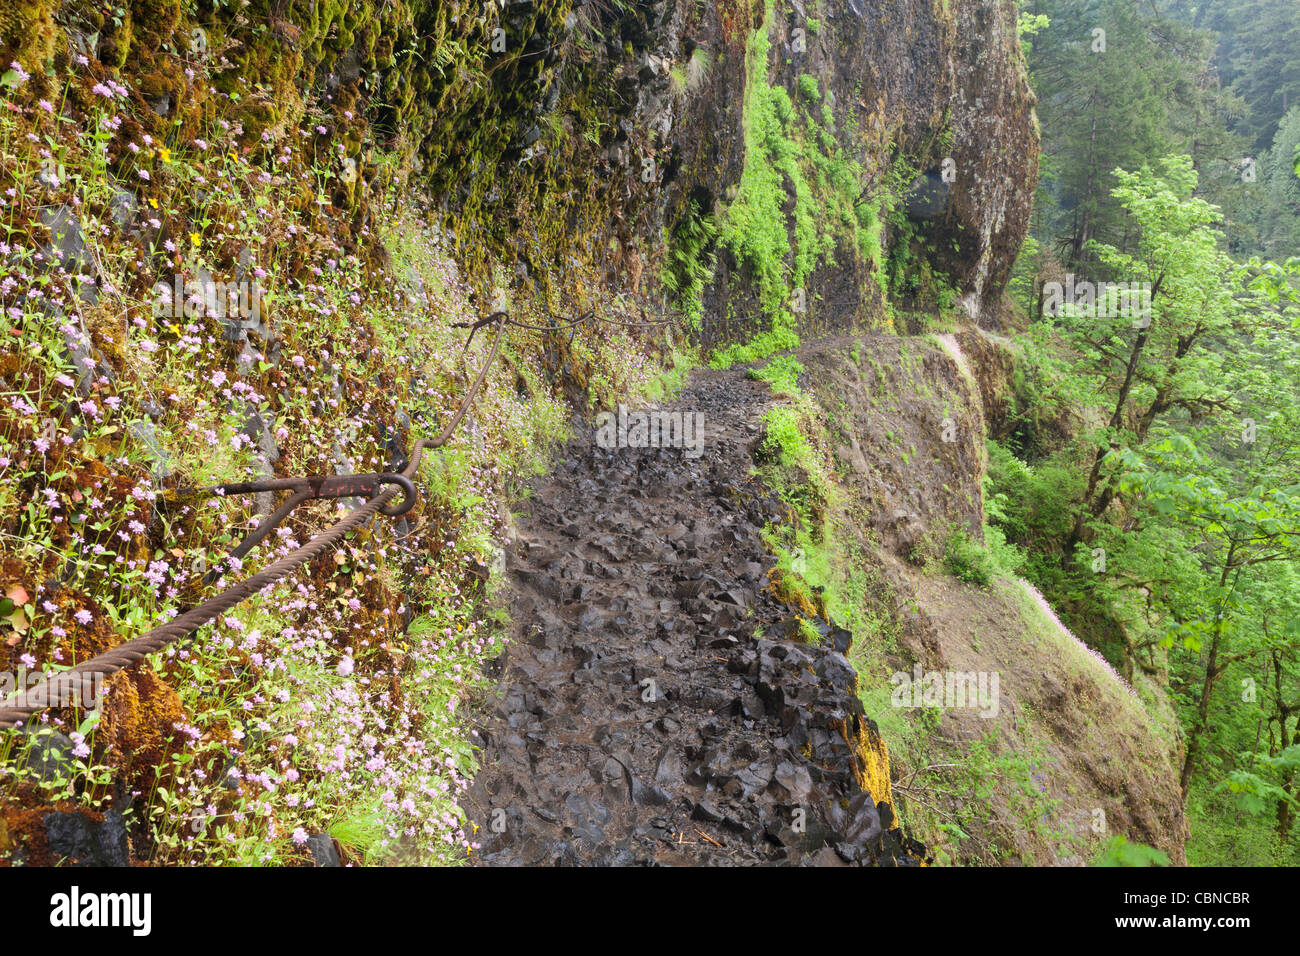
(165, 154)
(194, 238)
(153, 202)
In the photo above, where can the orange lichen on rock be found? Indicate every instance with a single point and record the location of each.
(872, 763)
(140, 714)
(22, 836)
(871, 767)
(787, 588)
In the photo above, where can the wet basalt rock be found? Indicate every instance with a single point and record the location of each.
(77, 840)
(639, 720)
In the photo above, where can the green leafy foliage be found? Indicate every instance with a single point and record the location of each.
(782, 373)
(965, 559)
(1165, 522)
(1253, 791)
(1121, 851)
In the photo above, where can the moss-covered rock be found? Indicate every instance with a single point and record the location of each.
(562, 132)
(27, 32)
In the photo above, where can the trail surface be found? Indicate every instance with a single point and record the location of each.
(638, 720)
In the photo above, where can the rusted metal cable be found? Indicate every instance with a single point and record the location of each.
(67, 685)
(589, 314)
(304, 489)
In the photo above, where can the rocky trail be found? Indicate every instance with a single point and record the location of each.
(638, 718)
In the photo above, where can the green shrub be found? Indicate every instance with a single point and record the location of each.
(1007, 558)
(782, 373)
(1120, 852)
(967, 560)
(785, 440)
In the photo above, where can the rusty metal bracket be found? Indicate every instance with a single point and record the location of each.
(305, 489)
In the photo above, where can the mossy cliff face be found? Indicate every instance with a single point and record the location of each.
(995, 156)
(834, 148)
(754, 162)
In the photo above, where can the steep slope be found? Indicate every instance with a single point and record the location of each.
(1010, 740)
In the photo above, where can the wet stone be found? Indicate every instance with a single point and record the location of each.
(79, 841)
(641, 565)
(50, 754)
(323, 851)
(146, 434)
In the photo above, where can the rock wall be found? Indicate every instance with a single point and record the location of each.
(566, 141)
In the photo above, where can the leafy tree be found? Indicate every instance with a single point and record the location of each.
(1121, 84)
(1228, 485)
(1280, 216)
(1139, 369)
(1193, 474)
(1256, 794)
(1237, 521)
